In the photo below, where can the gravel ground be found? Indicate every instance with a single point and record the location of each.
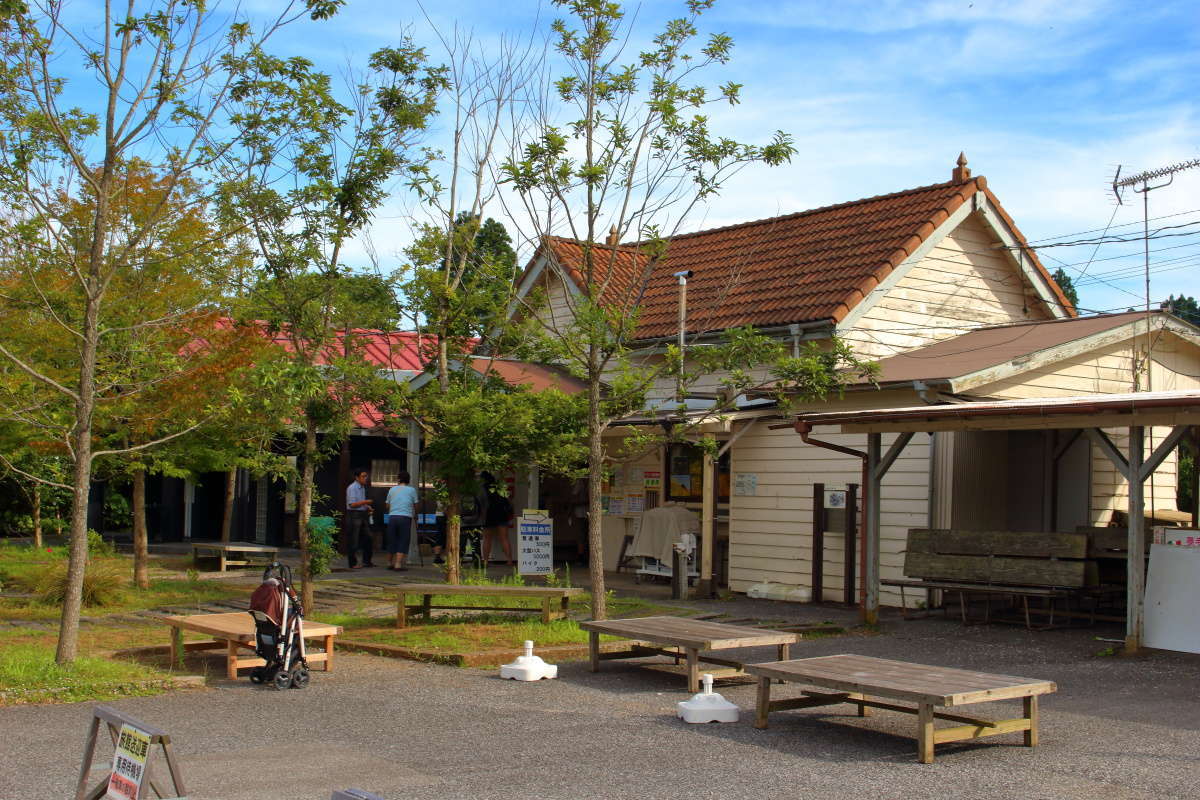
(1117, 728)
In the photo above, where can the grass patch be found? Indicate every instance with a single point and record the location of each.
(41, 575)
(28, 674)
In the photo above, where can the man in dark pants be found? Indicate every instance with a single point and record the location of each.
(358, 521)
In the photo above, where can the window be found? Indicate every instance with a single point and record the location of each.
(685, 474)
(385, 471)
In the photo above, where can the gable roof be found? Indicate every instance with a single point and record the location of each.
(798, 268)
(988, 354)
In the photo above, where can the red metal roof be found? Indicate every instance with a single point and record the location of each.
(805, 267)
(537, 377)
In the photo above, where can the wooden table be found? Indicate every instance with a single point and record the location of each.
(547, 594)
(856, 679)
(236, 630)
(690, 637)
(223, 550)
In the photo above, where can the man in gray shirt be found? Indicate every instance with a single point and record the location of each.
(358, 521)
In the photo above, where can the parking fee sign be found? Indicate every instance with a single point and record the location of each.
(129, 764)
(535, 543)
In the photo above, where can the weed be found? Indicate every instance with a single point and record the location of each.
(98, 547)
(193, 575)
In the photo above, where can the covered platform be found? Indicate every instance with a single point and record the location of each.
(1091, 415)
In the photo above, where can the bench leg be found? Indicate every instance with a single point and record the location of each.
(426, 606)
(784, 651)
(1031, 714)
(925, 733)
(402, 611)
(565, 607)
(546, 610)
(329, 653)
(231, 655)
(764, 703)
(863, 710)
(594, 650)
(177, 647)
(693, 669)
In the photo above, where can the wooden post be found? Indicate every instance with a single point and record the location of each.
(870, 613)
(1031, 714)
(1136, 563)
(851, 563)
(693, 669)
(402, 611)
(546, 609)
(762, 707)
(177, 647)
(594, 650)
(708, 527)
(924, 732)
(329, 653)
(818, 543)
(231, 654)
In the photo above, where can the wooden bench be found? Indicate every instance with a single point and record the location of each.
(223, 550)
(856, 679)
(689, 637)
(1021, 565)
(234, 631)
(547, 594)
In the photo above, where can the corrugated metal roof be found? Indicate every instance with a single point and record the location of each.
(992, 346)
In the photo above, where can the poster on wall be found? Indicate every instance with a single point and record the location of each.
(651, 480)
(634, 504)
(535, 542)
(745, 484)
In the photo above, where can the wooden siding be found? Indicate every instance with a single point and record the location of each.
(962, 283)
(770, 534)
(1109, 370)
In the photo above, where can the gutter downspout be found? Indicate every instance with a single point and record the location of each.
(804, 429)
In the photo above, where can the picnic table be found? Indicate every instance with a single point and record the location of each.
(689, 637)
(234, 631)
(252, 554)
(856, 679)
(547, 594)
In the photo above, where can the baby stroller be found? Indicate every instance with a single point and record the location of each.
(278, 630)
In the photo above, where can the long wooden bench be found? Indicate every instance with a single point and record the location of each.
(234, 554)
(427, 591)
(234, 631)
(676, 636)
(1021, 565)
(857, 679)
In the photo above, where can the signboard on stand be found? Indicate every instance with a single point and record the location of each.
(129, 764)
(535, 542)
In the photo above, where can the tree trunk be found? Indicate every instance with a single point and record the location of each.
(68, 630)
(453, 531)
(595, 511)
(141, 552)
(227, 509)
(35, 510)
(305, 511)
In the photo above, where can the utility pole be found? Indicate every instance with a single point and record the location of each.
(1143, 179)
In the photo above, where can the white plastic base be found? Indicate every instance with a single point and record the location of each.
(528, 667)
(707, 706)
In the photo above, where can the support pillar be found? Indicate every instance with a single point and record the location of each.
(871, 545)
(412, 447)
(1136, 546)
(708, 527)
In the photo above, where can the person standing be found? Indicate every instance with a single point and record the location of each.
(497, 513)
(401, 507)
(358, 521)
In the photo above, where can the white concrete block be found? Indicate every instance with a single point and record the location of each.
(528, 667)
(707, 706)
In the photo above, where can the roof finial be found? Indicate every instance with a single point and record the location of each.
(961, 173)
(614, 238)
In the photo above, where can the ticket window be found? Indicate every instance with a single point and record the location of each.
(685, 474)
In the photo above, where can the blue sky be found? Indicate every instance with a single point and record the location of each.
(1045, 97)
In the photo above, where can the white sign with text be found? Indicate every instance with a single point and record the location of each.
(535, 542)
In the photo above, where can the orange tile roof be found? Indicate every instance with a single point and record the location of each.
(804, 267)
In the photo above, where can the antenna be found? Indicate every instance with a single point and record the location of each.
(1144, 178)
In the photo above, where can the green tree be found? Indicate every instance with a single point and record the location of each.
(1185, 308)
(1067, 285)
(635, 155)
(341, 160)
(152, 88)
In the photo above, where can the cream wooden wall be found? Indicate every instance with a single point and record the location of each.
(1109, 370)
(962, 283)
